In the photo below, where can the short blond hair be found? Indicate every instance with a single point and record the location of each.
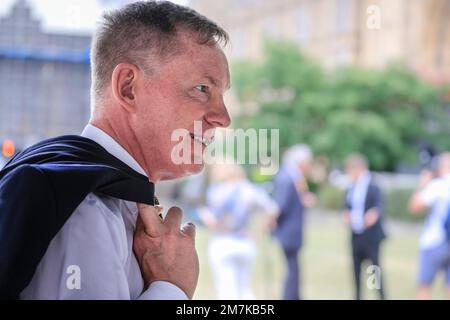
(298, 154)
(226, 172)
(141, 30)
(357, 160)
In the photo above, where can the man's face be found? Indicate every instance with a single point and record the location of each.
(353, 172)
(188, 87)
(305, 167)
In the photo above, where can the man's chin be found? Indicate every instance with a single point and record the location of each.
(193, 169)
(183, 171)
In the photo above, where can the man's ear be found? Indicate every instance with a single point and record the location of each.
(124, 79)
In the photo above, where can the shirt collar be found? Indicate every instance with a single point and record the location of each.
(112, 146)
(364, 179)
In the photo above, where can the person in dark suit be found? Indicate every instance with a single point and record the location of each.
(292, 196)
(363, 212)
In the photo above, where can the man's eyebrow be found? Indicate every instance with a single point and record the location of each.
(217, 83)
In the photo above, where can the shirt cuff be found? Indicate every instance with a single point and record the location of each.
(163, 290)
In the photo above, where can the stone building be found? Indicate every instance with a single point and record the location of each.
(44, 79)
(370, 33)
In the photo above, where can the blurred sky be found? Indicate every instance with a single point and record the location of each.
(68, 16)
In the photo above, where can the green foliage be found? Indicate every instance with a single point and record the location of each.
(331, 197)
(383, 114)
(396, 205)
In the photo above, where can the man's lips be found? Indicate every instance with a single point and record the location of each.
(204, 140)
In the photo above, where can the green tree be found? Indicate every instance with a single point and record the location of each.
(383, 114)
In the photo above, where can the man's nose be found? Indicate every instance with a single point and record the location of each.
(219, 116)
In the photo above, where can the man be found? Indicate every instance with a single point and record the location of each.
(75, 220)
(364, 210)
(433, 194)
(292, 196)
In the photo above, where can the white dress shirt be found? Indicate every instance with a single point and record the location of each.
(357, 198)
(92, 257)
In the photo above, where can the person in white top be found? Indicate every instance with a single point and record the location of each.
(157, 67)
(433, 194)
(231, 201)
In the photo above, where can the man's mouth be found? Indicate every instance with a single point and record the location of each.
(201, 139)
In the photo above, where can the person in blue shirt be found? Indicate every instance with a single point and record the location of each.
(433, 194)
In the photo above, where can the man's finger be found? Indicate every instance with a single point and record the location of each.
(173, 218)
(160, 210)
(152, 223)
(189, 229)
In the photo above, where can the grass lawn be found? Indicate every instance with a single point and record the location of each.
(325, 262)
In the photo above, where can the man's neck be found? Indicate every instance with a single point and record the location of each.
(125, 141)
(362, 176)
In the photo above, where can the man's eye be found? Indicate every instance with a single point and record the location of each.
(202, 88)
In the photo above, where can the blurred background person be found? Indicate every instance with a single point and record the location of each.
(363, 213)
(433, 194)
(292, 196)
(193, 194)
(231, 200)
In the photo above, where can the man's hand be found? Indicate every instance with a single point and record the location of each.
(425, 177)
(166, 251)
(270, 222)
(371, 217)
(309, 199)
(416, 204)
(347, 217)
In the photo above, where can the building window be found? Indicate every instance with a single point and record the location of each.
(303, 25)
(271, 28)
(343, 15)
